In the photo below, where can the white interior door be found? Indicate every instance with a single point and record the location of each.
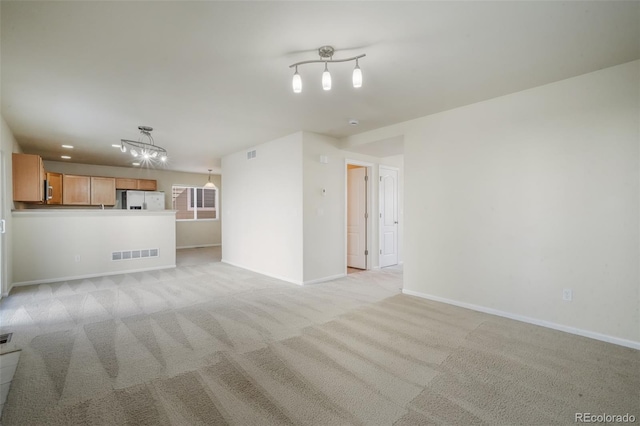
(388, 217)
(357, 217)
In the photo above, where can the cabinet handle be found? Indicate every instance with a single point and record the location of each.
(50, 192)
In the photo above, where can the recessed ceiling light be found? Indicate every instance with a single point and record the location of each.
(68, 146)
(136, 164)
(65, 157)
(115, 145)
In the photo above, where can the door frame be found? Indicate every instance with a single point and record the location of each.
(368, 227)
(4, 285)
(380, 224)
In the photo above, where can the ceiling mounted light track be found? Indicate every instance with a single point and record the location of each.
(326, 57)
(146, 151)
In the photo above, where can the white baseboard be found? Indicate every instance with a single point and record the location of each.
(82, 277)
(321, 280)
(567, 329)
(237, 265)
(198, 246)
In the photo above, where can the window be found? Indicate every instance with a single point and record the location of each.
(195, 203)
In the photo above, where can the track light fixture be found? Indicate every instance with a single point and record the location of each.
(326, 57)
(149, 151)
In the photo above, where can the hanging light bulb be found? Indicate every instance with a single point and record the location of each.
(154, 154)
(145, 155)
(209, 184)
(122, 147)
(326, 78)
(134, 152)
(297, 82)
(163, 158)
(357, 76)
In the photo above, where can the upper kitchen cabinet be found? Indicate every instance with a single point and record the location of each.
(126, 183)
(54, 188)
(28, 178)
(103, 191)
(77, 190)
(139, 184)
(147, 185)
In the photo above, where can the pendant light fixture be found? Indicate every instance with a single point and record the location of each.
(209, 184)
(149, 151)
(326, 56)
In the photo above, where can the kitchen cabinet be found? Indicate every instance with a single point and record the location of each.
(126, 183)
(147, 185)
(103, 191)
(138, 184)
(77, 190)
(28, 178)
(54, 188)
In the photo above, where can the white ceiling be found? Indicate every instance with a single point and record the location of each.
(213, 78)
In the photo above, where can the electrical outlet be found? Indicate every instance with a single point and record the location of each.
(567, 295)
(77, 258)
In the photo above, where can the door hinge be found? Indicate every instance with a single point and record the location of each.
(380, 178)
(380, 215)
(2, 226)
(366, 252)
(366, 178)
(366, 215)
(380, 251)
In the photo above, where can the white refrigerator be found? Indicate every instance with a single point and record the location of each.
(143, 200)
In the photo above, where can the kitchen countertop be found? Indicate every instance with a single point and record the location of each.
(91, 212)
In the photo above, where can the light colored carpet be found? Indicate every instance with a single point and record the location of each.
(215, 344)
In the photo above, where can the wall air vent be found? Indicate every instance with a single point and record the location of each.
(251, 154)
(134, 254)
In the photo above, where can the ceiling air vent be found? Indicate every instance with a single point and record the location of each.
(5, 338)
(251, 154)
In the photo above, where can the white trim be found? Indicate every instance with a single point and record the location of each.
(278, 277)
(358, 163)
(548, 324)
(80, 277)
(199, 246)
(325, 279)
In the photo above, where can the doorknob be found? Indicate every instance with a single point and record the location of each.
(396, 222)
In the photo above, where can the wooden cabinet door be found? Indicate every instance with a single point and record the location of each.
(28, 178)
(54, 190)
(77, 190)
(126, 183)
(147, 185)
(103, 191)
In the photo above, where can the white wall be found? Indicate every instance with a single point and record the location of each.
(46, 243)
(8, 145)
(188, 233)
(511, 200)
(262, 209)
(324, 216)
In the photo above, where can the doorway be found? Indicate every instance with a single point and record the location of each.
(357, 216)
